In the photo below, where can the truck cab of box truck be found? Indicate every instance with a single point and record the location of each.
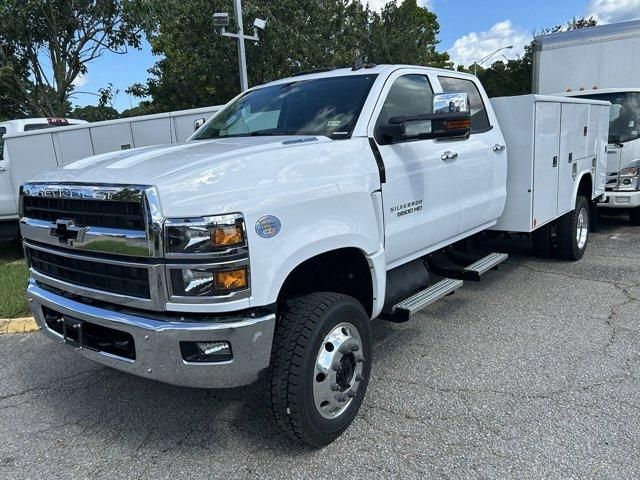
(8, 207)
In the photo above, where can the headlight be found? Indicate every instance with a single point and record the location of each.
(629, 179)
(208, 282)
(204, 234)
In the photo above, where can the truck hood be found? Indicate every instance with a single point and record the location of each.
(207, 177)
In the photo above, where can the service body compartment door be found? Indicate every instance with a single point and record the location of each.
(546, 160)
(572, 149)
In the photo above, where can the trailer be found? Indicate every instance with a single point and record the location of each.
(29, 153)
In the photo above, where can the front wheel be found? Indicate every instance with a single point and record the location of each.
(573, 232)
(634, 216)
(320, 366)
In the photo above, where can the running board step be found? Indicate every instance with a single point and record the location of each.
(485, 264)
(416, 302)
(442, 265)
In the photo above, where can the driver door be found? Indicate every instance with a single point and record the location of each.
(421, 201)
(8, 207)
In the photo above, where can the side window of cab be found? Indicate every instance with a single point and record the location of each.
(479, 118)
(409, 96)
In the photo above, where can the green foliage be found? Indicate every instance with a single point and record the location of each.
(46, 44)
(200, 67)
(92, 113)
(13, 280)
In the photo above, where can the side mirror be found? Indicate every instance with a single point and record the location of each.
(391, 130)
(451, 102)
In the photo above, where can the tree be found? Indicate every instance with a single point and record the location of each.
(406, 34)
(46, 44)
(92, 113)
(200, 67)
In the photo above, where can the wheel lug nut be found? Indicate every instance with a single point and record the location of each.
(344, 350)
(335, 387)
(340, 397)
(355, 347)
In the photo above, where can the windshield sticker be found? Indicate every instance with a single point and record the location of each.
(333, 123)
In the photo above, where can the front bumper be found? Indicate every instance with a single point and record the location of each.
(620, 200)
(157, 342)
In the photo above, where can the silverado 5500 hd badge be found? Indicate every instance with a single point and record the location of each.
(407, 208)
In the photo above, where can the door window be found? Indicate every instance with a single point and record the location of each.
(479, 118)
(409, 96)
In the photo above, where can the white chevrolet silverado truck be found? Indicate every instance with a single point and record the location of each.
(261, 248)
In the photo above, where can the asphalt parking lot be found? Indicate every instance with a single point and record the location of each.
(532, 373)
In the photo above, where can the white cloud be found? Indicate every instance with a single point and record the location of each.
(80, 81)
(474, 46)
(378, 4)
(612, 11)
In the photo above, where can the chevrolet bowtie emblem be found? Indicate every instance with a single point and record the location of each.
(66, 230)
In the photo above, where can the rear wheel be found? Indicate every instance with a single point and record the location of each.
(320, 367)
(634, 216)
(573, 231)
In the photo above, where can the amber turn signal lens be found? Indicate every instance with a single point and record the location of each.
(232, 279)
(227, 236)
(457, 124)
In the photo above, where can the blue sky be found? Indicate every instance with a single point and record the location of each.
(469, 30)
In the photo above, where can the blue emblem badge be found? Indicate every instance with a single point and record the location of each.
(268, 226)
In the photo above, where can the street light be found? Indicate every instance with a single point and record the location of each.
(484, 59)
(221, 20)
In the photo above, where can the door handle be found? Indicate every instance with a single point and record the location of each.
(3, 169)
(555, 161)
(449, 156)
(498, 148)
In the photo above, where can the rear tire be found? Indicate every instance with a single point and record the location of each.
(320, 367)
(634, 216)
(573, 232)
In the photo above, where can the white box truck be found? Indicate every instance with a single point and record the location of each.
(601, 63)
(261, 248)
(27, 149)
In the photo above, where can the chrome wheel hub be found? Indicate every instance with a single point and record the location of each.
(582, 231)
(338, 371)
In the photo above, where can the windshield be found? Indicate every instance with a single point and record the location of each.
(624, 118)
(326, 106)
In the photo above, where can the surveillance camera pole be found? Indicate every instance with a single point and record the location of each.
(241, 38)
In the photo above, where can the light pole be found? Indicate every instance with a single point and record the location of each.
(222, 20)
(484, 59)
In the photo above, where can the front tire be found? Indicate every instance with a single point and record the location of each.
(320, 367)
(573, 231)
(634, 216)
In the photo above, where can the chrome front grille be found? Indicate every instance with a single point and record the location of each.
(110, 219)
(126, 215)
(88, 272)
